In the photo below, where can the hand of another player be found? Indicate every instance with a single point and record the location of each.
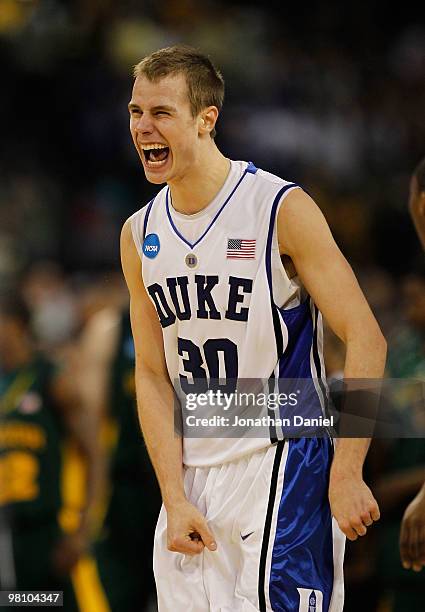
(187, 530)
(412, 534)
(352, 505)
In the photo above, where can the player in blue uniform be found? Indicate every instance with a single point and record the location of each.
(246, 525)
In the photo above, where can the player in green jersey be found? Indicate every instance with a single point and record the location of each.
(38, 409)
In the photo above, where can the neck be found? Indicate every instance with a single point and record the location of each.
(200, 185)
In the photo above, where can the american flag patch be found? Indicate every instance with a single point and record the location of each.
(239, 248)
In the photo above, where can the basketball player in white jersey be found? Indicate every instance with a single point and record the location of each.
(251, 523)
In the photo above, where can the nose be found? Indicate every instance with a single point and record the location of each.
(144, 124)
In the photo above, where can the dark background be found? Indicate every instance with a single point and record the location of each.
(330, 95)
(327, 94)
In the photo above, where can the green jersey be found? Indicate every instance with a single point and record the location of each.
(124, 553)
(30, 455)
(130, 458)
(135, 494)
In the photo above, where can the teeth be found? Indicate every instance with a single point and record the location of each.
(148, 147)
(156, 163)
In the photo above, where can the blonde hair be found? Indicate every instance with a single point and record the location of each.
(205, 83)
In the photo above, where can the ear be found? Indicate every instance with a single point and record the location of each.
(207, 119)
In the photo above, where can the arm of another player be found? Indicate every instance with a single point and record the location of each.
(97, 346)
(155, 402)
(81, 427)
(412, 533)
(305, 236)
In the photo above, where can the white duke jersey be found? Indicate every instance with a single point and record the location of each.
(227, 308)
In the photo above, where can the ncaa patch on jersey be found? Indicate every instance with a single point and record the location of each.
(151, 246)
(310, 600)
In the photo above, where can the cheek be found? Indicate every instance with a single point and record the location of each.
(187, 145)
(133, 132)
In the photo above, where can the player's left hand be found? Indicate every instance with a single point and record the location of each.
(412, 534)
(68, 551)
(352, 505)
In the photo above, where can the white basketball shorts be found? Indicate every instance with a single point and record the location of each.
(278, 547)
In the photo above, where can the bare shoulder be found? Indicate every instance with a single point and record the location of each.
(127, 235)
(301, 224)
(298, 204)
(130, 259)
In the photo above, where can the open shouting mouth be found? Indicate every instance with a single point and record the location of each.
(156, 154)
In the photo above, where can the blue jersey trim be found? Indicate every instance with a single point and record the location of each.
(251, 169)
(267, 526)
(302, 555)
(295, 371)
(272, 428)
(295, 361)
(145, 222)
(301, 323)
(316, 357)
(317, 363)
(275, 313)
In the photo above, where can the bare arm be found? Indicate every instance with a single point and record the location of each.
(81, 428)
(305, 236)
(96, 351)
(155, 401)
(97, 347)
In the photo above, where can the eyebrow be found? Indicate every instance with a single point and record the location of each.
(132, 106)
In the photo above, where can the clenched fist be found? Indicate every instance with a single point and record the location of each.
(187, 530)
(352, 505)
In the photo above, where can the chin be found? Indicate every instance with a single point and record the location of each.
(155, 180)
(158, 176)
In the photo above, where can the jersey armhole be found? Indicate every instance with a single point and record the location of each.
(138, 225)
(135, 232)
(275, 238)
